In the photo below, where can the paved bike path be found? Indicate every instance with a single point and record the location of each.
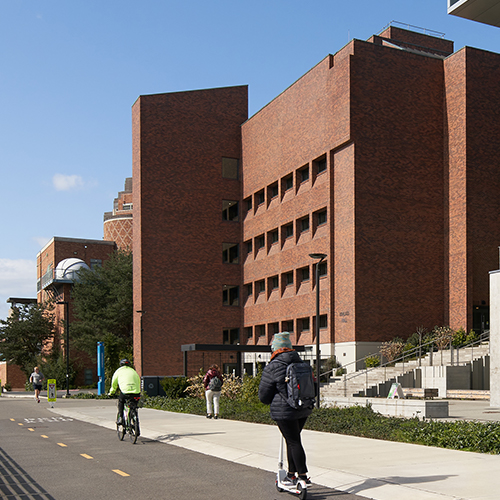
(376, 469)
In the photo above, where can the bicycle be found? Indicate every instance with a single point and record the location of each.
(130, 419)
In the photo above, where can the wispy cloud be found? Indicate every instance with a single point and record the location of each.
(41, 240)
(63, 182)
(17, 279)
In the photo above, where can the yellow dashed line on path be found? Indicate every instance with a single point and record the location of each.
(121, 473)
(63, 445)
(44, 436)
(88, 457)
(31, 430)
(20, 423)
(12, 419)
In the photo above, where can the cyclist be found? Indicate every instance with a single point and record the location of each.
(129, 382)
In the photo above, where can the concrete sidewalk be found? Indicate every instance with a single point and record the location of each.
(375, 469)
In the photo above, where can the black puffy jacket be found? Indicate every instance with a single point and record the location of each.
(272, 388)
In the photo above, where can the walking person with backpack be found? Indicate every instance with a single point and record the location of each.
(212, 381)
(291, 401)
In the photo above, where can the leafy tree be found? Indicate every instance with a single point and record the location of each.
(26, 334)
(103, 309)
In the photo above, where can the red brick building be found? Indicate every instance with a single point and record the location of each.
(57, 265)
(383, 156)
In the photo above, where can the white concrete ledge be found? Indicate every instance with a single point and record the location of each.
(394, 407)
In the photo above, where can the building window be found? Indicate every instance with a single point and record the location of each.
(95, 263)
(249, 332)
(272, 237)
(303, 174)
(304, 273)
(230, 210)
(304, 224)
(230, 295)
(249, 244)
(259, 198)
(248, 204)
(288, 278)
(287, 183)
(305, 324)
(320, 165)
(230, 168)
(323, 321)
(287, 326)
(322, 269)
(272, 191)
(230, 253)
(261, 330)
(321, 217)
(249, 289)
(274, 282)
(274, 328)
(288, 231)
(260, 242)
(260, 287)
(231, 336)
(126, 206)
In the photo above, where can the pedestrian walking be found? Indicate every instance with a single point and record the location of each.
(290, 421)
(36, 379)
(212, 381)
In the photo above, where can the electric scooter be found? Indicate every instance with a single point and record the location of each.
(300, 488)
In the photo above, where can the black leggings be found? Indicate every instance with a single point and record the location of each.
(296, 455)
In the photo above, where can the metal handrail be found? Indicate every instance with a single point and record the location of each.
(483, 337)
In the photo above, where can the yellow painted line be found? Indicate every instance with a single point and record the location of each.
(63, 445)
(121, 473)
(20, 423)
(44, 436)
(12, 419)
(31, 430)
(88, 457)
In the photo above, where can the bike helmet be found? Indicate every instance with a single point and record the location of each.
(125, 362)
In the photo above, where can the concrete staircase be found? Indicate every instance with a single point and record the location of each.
(377, 381)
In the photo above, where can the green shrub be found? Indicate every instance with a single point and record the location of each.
(175, 387)
(372, 361)
(472, 336)
(459, 338)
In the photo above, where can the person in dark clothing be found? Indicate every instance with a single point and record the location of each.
(290, 421)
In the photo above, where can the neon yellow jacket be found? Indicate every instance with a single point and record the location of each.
(127, 379)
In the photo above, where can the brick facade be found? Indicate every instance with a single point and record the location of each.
(382, 156)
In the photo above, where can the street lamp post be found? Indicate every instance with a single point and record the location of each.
(319, 257)
(66, 327)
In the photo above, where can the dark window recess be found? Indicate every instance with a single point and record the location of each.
(323, 269)
(249, 246)
(288, 231)
(273, 190)
(230, 210)
(249, 289)
(93, 264)
(260, 242)
(230, 168)
(260, 287)
(230, 253)
(323, 321)
(303, 174)
(273, 282)
(321, 217)
(305, 273)
(274, 328)
(249, 331)
(288, 182)
(321, 165)
(261, 330)
(230, 295)
(273, 237)
(304, 224)
(288, 326)
(289, 278)
(305, 324)
(260, 197)
(231, 336)
(248, 202)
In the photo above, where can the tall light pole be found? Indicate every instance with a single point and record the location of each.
(66, 327)
(319, 257)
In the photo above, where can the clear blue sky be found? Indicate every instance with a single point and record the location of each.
(70, 71)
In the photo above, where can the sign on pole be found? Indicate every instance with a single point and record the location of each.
(51, 392)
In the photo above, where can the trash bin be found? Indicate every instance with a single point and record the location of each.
(150, 385)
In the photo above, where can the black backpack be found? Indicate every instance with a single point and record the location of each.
(215, 384)
(300, 385)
